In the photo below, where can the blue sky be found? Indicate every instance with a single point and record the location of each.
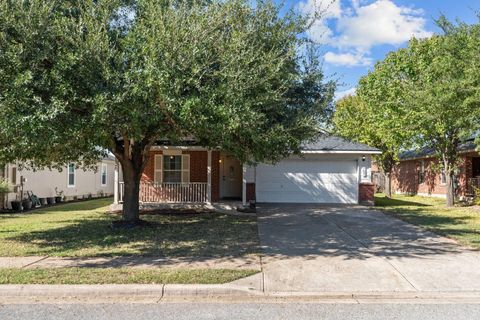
(357, 33)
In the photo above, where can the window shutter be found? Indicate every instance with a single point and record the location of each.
(158, 169)
(185, 168)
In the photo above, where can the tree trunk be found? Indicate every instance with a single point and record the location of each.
(449, 177)
(131, 195)
(388, 185)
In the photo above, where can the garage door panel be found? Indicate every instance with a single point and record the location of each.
(308, 182)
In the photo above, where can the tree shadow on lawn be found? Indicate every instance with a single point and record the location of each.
(387, 202)
(199, 235)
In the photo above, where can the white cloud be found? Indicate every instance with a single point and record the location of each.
(319, 12)
(381, 22)
(347, 59)
(355, 29)
(341, 94)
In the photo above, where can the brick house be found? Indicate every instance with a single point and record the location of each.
(419, 172)
(330, 170)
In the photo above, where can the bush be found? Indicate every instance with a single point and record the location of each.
(5, 186)
(477, 196)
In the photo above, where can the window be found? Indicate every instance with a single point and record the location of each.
(14, 176)
(104, 174)
(71, 175)
(421, 173)
(172, 168)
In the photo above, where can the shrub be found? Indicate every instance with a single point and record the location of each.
(5, 186)
(476, 200)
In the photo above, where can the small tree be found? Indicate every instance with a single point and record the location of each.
(427, 95)
(81, 77)
(362, 121)
(442, 93)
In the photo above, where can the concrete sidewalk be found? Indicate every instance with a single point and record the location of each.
(251, 262)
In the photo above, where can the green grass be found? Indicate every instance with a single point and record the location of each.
(120, 276)
(83, 229)
(459, 223)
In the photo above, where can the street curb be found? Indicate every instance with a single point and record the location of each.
(166, 291)
(127, 290)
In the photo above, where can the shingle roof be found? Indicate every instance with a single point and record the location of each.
(334, 143)
(466, 146)
(323, 143)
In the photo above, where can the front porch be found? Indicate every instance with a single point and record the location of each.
(187, 176)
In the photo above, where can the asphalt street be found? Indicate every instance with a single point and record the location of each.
(240, 311)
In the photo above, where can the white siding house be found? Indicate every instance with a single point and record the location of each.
(71, 181)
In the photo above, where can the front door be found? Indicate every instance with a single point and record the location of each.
(230, 178)
(476, 167)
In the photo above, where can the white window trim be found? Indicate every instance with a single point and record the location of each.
(158, 163)
(104, 166)
(74, 176)
(422, 171)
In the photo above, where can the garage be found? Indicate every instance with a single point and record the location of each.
(308, 180)
(328, 170)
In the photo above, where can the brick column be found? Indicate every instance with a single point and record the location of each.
(366, 193)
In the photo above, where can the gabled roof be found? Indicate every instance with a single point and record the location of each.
(466, 146)
(327, 143)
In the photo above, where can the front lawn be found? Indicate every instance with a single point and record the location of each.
(83, 229)
(120, 276)
(459, 223)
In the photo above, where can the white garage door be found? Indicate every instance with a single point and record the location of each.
(308, 181)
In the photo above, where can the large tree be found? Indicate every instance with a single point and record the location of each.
(427, 94)
(81, 77)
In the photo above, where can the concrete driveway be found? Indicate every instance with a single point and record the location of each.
(309, 248)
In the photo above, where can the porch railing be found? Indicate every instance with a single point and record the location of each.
(169, 192)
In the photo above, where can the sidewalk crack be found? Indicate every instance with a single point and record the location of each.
(34, 262)
(162, 294)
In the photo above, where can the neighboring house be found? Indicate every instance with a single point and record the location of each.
(331, 170)
(419, 172)
(71, 181)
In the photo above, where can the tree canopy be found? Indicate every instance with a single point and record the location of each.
(81, 77)
(424, 95)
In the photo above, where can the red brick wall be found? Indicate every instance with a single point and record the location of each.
(215, 176)
(198, 165)
(405, 176)
(366, 193)
(250, 191)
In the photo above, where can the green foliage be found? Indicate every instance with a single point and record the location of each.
(361, 118)
(76, 75)
(78, 78)
(5, 186)
(477, 196)
(424, 95)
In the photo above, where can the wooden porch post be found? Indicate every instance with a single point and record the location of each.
(244, 185)
(115, 184)
(209, 176)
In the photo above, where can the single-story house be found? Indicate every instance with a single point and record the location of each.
(419, 172)
(330, 170)
(72, 182)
